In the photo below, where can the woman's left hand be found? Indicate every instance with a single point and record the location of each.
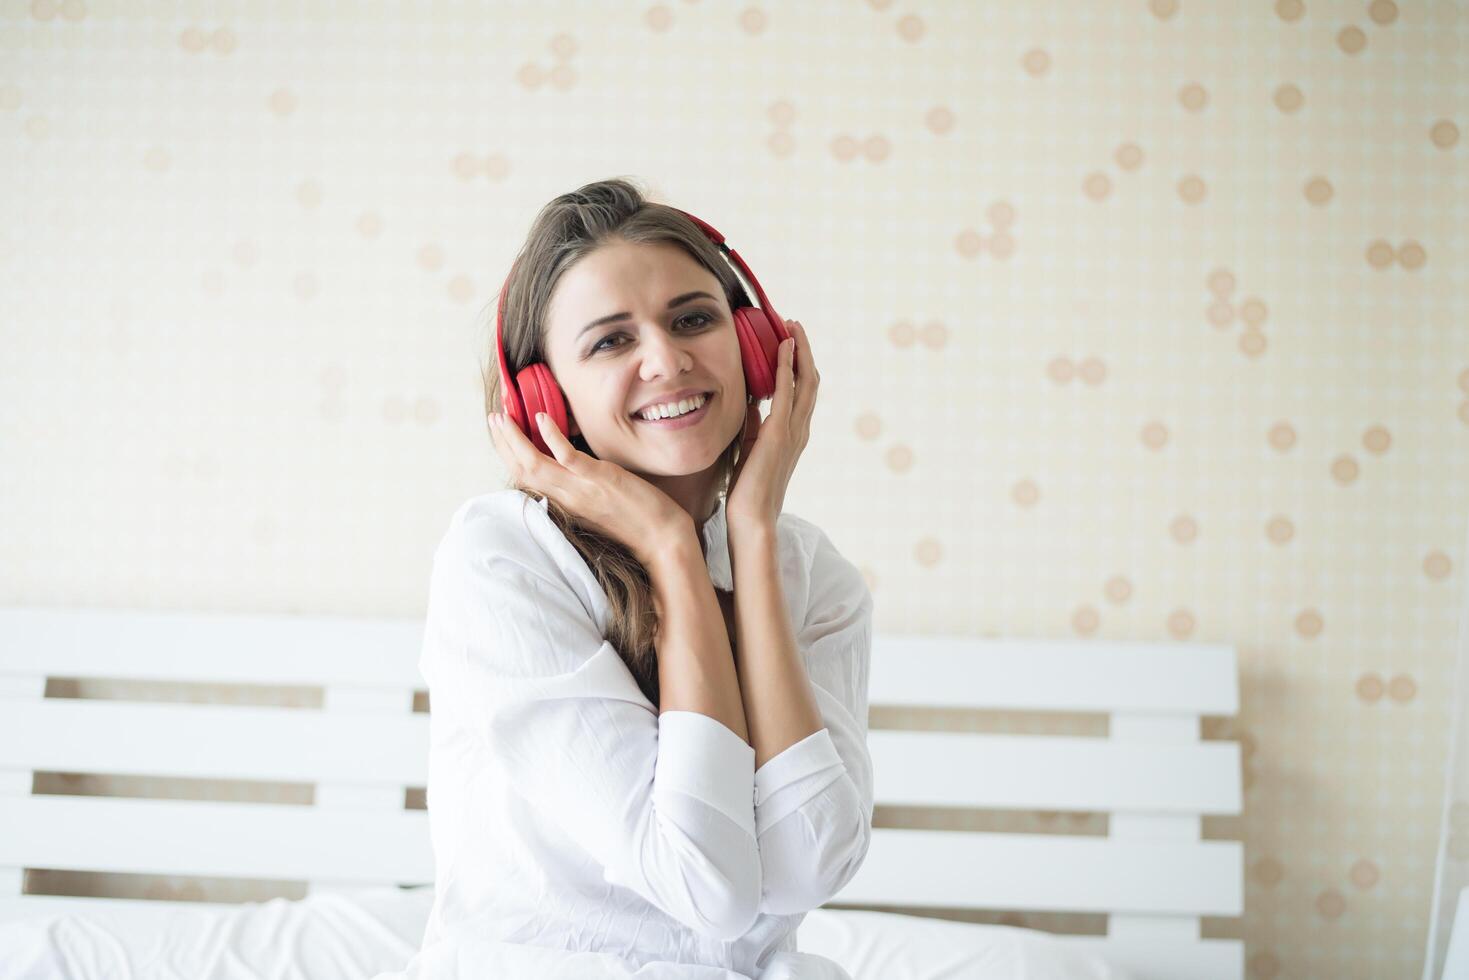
(771, 448)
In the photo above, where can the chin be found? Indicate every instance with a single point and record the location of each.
(686, 463)
(680, 464)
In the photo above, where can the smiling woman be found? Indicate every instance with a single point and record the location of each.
(629, 303)
(648, 679)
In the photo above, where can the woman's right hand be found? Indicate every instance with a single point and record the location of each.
(615, 502)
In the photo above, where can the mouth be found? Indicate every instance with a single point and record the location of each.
(680, 421)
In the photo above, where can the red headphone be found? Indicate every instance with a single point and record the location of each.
(760, 332)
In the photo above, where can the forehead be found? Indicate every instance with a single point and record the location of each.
(619, 277)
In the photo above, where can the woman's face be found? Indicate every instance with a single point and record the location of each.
(608, 372)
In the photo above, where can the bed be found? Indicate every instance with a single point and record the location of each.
(362, 857)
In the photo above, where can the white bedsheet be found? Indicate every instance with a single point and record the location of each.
(356, 935)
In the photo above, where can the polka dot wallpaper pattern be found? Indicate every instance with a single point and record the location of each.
(1143, 319)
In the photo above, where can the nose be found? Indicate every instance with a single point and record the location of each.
(662, 355)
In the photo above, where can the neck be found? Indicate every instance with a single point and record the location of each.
(695, 493)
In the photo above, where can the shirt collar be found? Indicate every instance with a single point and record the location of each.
(716, 549)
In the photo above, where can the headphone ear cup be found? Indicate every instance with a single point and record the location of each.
(760, 338)
(540, 393)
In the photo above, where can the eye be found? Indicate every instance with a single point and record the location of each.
(703, 320)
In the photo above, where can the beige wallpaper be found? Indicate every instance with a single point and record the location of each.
(1135, 320)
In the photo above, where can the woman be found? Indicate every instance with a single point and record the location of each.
(648, 684)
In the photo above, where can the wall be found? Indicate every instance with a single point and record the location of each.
(1135, 320)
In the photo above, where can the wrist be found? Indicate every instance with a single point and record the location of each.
(673, 551)
(751, 536)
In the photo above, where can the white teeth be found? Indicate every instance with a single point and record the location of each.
(670, 411)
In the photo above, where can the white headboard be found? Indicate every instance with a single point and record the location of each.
(1153, 876)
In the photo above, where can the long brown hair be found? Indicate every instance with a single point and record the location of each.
(567, 229)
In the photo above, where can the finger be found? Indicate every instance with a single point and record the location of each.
(559, 445)
(780, 402)
(807, 380)
(803, 349)
(498, 423)
(533, 467)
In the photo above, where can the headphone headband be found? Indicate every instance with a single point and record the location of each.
(509, 405)
(718, 240)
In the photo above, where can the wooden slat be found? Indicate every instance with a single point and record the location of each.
(1206, 959)
(218, 648)
(15, 782)
(1155, 826)
(210, 741)
(1014, 674)
(195, 837)
(362, 703)
(910, 768)
(19, 686)
(1043, 675)
(939, 869)
(962, 769)
(947, 869)
(1145, 929)
(1129, 729)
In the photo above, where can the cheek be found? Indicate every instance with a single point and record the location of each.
(734, 368)
(736, 415)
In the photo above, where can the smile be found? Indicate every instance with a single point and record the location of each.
(682, 421)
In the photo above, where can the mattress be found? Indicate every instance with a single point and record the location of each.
(355, 935)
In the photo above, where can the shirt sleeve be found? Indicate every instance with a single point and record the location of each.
(664, 804)
(814, 801)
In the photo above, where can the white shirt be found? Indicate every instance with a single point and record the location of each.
(578, 832)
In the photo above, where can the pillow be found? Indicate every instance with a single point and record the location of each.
(348, 935)
(355, 935)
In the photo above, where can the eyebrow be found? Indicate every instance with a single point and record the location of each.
(676, 301)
